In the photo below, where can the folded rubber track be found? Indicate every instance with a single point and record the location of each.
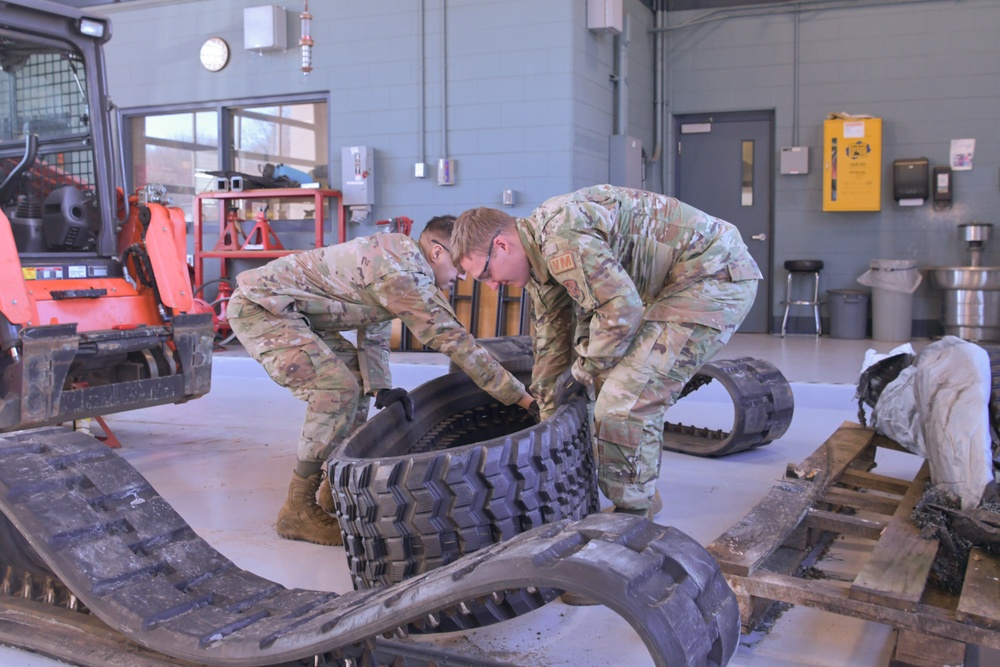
(136, 564)
(763, 405)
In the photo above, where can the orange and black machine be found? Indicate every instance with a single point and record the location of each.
(96, 309)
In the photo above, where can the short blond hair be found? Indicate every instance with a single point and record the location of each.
(474, 230)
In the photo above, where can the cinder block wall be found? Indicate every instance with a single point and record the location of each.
(930, 69)
(531, 104)
(528, 105)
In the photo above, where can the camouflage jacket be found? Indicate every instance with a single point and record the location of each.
(363, 285)
(605, 258)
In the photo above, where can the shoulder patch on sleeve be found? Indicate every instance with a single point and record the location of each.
(574, 289)
(562, 263)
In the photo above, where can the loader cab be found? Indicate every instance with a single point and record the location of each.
(56, 176)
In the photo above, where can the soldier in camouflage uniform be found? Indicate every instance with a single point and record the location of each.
(632, 291)
(290, 315)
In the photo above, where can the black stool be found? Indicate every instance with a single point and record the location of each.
(802, 267)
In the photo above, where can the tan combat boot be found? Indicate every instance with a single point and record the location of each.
(649, 512)
(325, 497)
(301, 518)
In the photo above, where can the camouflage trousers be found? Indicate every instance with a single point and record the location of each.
(633, 397)
(320, 368)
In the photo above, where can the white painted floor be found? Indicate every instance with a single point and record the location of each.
(224, 462)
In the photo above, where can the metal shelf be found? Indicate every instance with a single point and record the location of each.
(319, 196)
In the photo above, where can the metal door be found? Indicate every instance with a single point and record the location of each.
(723, 167)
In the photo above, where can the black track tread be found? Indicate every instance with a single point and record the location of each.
(438, 504)
(761, 396)
(106, 533)
(763, 406)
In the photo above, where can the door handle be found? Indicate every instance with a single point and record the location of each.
(759, 237)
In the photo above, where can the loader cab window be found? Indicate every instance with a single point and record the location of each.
(47, 184)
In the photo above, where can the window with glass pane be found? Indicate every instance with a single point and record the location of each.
(292, 138)
(178, 149)
(175, 150)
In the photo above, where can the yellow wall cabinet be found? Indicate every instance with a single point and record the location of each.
(852, 164)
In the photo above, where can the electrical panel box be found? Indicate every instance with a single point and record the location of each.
(795, 160)
(265, 28)
(446, 171)
(605, 16)
(910, 181)
(625, 161)
(357, 185)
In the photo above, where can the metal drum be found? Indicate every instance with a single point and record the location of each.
(970, 297)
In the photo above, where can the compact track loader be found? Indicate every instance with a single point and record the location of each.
(96, 311)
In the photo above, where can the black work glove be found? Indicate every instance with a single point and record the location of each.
(535, 412)
(386, 397)
(566, 387)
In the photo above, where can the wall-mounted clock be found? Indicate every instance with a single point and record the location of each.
(214, 54)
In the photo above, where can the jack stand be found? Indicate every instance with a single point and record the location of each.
(262, 237)
(109, 438)
(230, 237)
(398, 225)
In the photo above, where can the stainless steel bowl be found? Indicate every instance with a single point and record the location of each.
(965, 277)
(976, 231)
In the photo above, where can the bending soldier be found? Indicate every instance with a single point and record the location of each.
(290, 315)
(657, 287)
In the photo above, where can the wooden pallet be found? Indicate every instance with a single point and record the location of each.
(834, 492)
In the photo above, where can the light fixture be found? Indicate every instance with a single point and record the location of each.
(306, 41)
(91, 28)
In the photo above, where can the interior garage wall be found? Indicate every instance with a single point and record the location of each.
(930, 69)
(529, 100)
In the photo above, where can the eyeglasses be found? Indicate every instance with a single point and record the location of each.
(485, 273)
(442, 245)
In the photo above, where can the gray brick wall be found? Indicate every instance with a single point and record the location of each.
(930, 70)
(531, 102)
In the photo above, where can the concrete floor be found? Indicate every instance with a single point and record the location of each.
(224, 462)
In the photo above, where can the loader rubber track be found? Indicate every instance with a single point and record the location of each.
(130, 559)
(763, 405)
(467, 472)
(762, 400)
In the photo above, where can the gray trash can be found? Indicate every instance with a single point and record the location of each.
(848, 313)
(893, 282)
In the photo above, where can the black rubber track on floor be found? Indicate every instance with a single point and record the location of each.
(136, 564)
(763, 406)
(762, 400)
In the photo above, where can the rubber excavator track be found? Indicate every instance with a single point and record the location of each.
(121, 552)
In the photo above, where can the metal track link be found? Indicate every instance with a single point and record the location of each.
(133, 562)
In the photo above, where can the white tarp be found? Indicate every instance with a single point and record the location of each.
(938, 408)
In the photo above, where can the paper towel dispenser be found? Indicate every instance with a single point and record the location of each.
(911, 181)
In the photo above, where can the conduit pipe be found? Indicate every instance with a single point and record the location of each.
(621, 78)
